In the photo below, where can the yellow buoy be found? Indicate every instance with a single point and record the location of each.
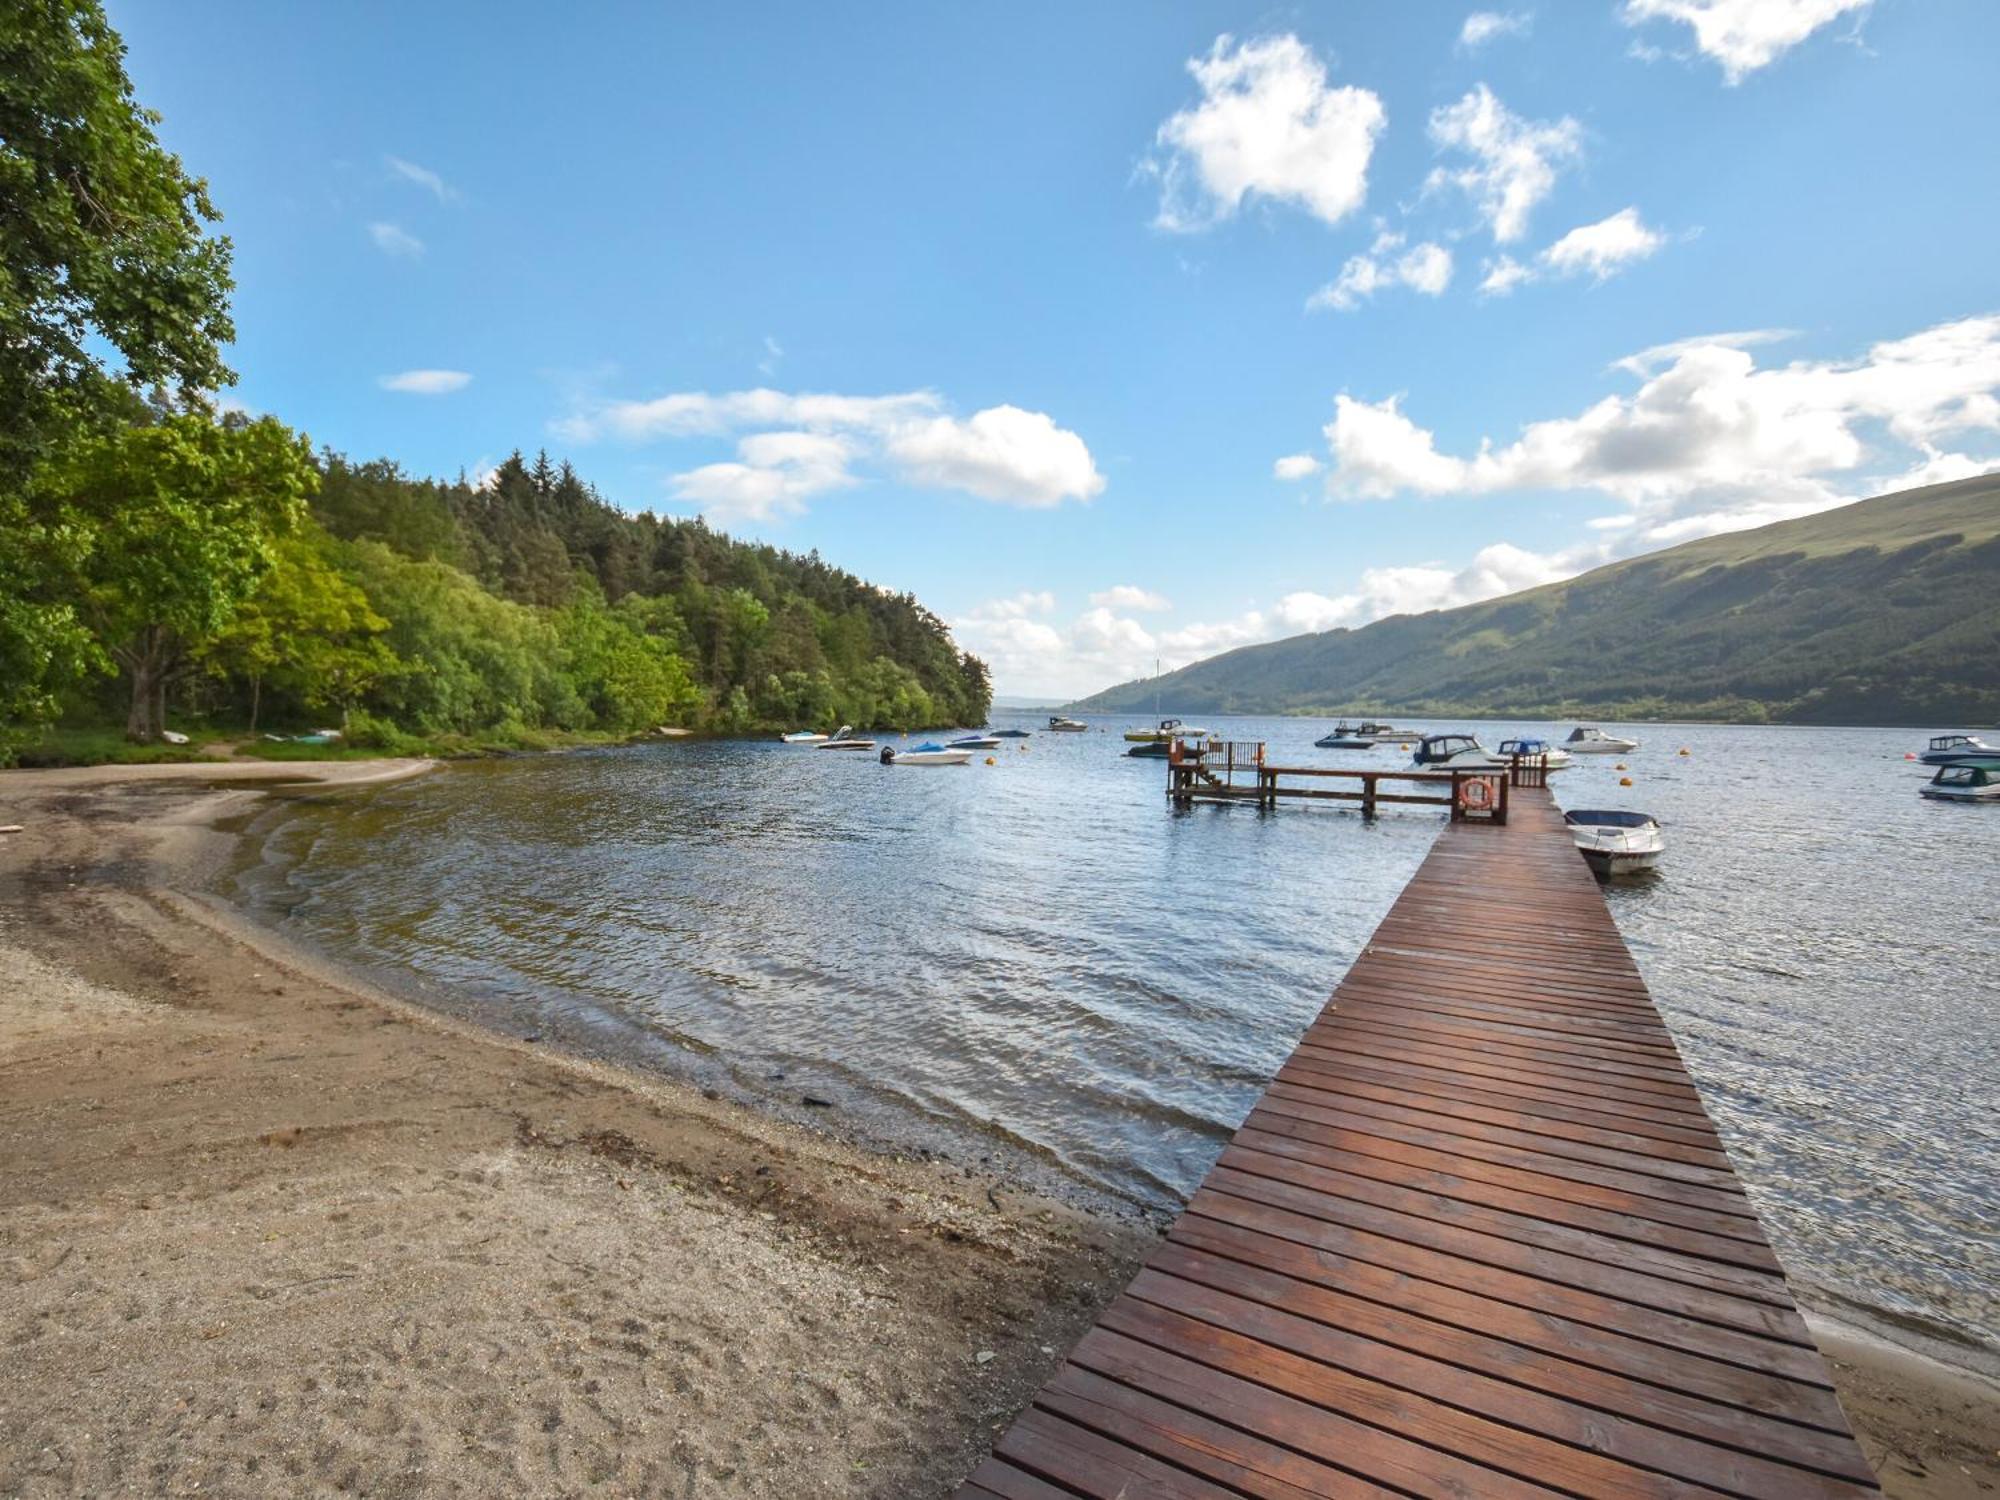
(1624, 780)
(1684, 749)
(991, 761)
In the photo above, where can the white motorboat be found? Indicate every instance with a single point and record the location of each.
(930, 753)
(1616, 843)
(975, 742)
(1965, 781)
(1454, 752)
(1552, 757)
(1059, 725)
(1950, 749)
(1584, 740)
(844, 738)
(805, 737)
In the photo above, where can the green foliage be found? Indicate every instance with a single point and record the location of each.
(102, 239)
(175, 525)
(1887, 611)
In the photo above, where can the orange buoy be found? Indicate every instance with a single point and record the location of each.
(991, 761)
(1619, 767)
(1684, 749)
(1624, 780)
(1909, 755)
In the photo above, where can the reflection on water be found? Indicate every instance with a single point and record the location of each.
(1038, 959)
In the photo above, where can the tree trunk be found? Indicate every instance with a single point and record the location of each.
(256, 697)
(149, 659)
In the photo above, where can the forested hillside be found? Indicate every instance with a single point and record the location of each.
(415, 609)
(1886, 611)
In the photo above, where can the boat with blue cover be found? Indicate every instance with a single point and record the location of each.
(1965, 781)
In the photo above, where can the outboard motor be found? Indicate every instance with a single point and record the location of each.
(888, 756)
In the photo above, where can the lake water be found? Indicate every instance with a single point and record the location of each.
(1039, 962)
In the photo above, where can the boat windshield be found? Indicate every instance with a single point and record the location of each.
(1950, 741)
(1614, 818)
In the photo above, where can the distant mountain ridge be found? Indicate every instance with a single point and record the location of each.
(1885, 611)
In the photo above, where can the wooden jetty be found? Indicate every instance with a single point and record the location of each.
(1238, 771)
(1478, 1239)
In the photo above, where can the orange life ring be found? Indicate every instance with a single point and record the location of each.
(1475, 793)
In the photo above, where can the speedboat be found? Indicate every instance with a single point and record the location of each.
(844, 739)
(1616, 843)
(1169, 729)
(1060, 725)
(1965, 781)
(1552, 758)
(1454, 752)
(930, 753)
(1343, 737)
(804, 737)
(1586, 741)
(977, 742)
(1009, 734)
(1950, 749)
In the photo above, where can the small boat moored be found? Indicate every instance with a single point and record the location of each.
(976, 742)
(1584, 740)
(844, 739)
(1152, 750)
(1454, 752)
(1950, 749)
(930, 753)
(1009, 734)
(1345, 737)
(1551, 757)
(1059, 725)
(1614, 842)
(1167, 730)
(1965, 781)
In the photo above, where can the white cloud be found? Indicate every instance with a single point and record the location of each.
(1515, 161)
(1503, 274)
(1268, 125)
(423, 177)
(698, 413)
(1646, 361)
(1710, 440)
(1002, 453)
(1605, 248)
(392, 240)
(1600, 250)
(426, 382)
(774, 353)
(1295, 466)
(776, 474)
(1424, 268)
(1131, 596)
(1100, 646)
(1483, 26)
(1744, 35)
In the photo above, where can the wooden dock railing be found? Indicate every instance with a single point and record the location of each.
(1238, 771)
(1477, 1240)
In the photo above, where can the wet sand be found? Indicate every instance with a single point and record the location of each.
(266, 1231)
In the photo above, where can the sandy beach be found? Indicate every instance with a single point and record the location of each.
(265, 1231)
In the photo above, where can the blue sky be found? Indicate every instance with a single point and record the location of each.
(1123, 331)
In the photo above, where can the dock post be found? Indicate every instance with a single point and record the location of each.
(1368, 796)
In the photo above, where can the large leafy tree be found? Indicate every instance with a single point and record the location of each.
(307, 629)
(182, 521)
(104, 247)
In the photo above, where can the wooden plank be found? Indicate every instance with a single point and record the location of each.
(1478, 1238)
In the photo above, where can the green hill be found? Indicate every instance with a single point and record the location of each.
(1885, 611)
